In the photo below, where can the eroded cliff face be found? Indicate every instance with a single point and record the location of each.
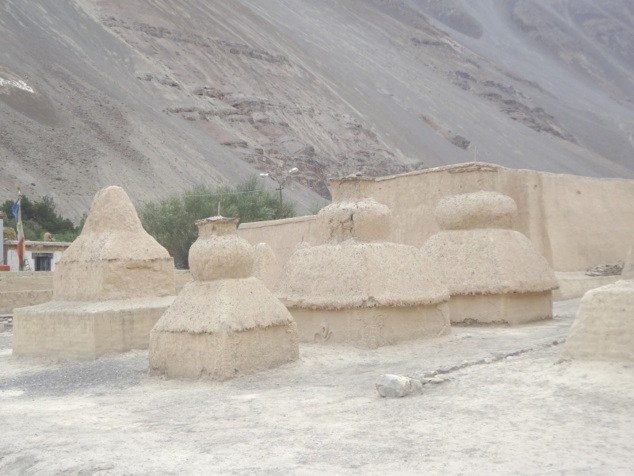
(159, 96)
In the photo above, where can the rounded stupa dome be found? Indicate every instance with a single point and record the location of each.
(359, 275)
(476, 210)
(489, 261)
(363, 220)
(219, 253)
(477, 252)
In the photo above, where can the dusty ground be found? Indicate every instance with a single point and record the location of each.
(528, 414)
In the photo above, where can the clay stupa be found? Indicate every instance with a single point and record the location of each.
(266, 267)
(225, 322)
(604, 327)
(359, 289)
(495, 275)
(109, 289)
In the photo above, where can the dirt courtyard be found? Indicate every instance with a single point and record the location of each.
(530, 413)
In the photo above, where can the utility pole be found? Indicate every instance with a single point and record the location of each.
(2, 238)
(281, 183)
(281, 209)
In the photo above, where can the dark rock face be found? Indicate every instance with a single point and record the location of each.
(156, 97)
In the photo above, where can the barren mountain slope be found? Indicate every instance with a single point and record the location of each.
(159, 95)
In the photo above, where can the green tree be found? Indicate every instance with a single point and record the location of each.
(9, 233)
(172, 221)
(40, 216)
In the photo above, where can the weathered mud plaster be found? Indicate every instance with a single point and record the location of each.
(494, 275)
(225, 322)
(357, 289)
(604, 327)
(628, 265)
(109, 289)
(85, 330)
(266, 267)
(114, 257)
(24, 288)
(554, 211)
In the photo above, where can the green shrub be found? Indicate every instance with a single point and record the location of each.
(172, 221)
(38, 217)
(9, 233)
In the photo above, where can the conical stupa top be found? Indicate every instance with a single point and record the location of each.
(113, 257)
(113, 231)
(362, 220)
(476, 210)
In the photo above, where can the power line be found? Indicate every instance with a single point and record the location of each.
(209, 195)
(222, 194)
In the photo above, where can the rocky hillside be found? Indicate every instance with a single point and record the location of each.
(156, 96)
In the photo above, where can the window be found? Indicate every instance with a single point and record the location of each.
(42, 261)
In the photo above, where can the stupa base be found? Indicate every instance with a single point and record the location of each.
(85, 330)
(503, 309)
(223, 355)
(371, 327)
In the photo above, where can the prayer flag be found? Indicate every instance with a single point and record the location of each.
(16, 210)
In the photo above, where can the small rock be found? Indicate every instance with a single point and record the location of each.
(396, 386)
(417, 385)
(611, 269)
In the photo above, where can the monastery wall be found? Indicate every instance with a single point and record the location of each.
(26, 288)
(575, 222)
(589, 221)
(282, 235)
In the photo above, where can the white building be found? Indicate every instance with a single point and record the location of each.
(38, 255)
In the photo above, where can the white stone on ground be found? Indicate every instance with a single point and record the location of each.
(397, 386)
